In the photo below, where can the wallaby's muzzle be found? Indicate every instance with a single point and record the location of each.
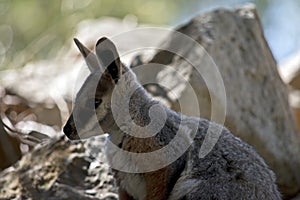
(70, 129)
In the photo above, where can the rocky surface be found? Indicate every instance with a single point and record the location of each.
(60, 169)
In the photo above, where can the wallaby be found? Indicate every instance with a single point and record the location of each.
(231, 170)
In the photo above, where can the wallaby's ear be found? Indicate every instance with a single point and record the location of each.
(109, 58)
(90, 57)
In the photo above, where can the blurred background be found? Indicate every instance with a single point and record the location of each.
(36, 29)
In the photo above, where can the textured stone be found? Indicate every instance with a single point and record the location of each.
(60, 169)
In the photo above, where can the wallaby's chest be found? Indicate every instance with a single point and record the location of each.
(133, 184)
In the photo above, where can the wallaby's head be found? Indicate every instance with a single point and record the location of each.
(92, 106)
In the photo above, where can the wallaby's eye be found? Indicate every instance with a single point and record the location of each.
(93, 103)
(97, 102)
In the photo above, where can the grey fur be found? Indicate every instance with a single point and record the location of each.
(232, 170)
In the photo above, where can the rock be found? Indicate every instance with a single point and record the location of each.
(60, 169)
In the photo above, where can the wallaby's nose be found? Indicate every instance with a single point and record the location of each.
(70, 132)
(67, 129)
